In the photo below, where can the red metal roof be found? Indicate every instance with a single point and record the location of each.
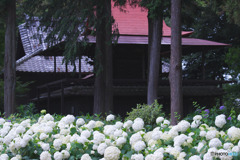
(165, 41)
(133, 21)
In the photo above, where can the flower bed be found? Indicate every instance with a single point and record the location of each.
(85, 139)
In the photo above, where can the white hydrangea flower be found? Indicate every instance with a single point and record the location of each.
(128, 124)
(159, 120)
(227, 146)
(207, 156)
(86, 133)
(120, 141)
(181, 156)
(110, 117)
(183, 125)
(195, 124)
(235, 149)
(43, 136)
(234, 133)
(58, 156)
(68, 119)
(179, 140)
(202, 133)
(65, 154)
(82, 139)
(173, 151)
(101, 148)
(135, 137)
(51, 124)
(2, 121)
(139, 145)
(195, 157)
(156, 135)
(45, 146)
(137, 157)
(98, 124)
(20, 129)
(138, 124)
(91, 124)
(220, 120)
(48, 117)
(197, 118)
(4, 157)
(211, 134)
(57, 143)
(80, 122)
(112, 153)
(118, 124)
(98, 138)
(215, 142)
(86, 157)
(165, 123)
(45, 155)
(149, 157)
(238, 118)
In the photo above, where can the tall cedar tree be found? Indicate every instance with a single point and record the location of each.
(155, 19)
(154, 44)
(10, 60)
(175, 75)
(103, 95)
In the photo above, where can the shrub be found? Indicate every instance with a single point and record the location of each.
(149, 113)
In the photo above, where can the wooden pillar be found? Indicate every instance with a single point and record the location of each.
(62, 97)
(143, 67)
(203, 65)
(49, 96)
(160, 68)
(55, 64)
(79, 67)
(66, 67)
(37, 104)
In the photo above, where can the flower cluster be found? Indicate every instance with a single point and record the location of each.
(78, 138)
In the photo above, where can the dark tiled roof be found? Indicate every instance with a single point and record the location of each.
(33, 43)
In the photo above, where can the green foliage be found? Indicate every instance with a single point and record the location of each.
(149, 113)
(232, 96)
(232, 9)
(209, 114)
(233, 59)
(26, 110)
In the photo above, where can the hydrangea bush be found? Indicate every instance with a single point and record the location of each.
(51, 137)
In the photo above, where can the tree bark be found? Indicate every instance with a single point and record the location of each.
(154, 58)
(99, 65)
(175, 75)
(10, 60)
(108, 59)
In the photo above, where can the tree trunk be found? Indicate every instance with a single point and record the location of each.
(154, 58)
(175, 75)
(99, 65)
(10, 60)
(108, 59)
